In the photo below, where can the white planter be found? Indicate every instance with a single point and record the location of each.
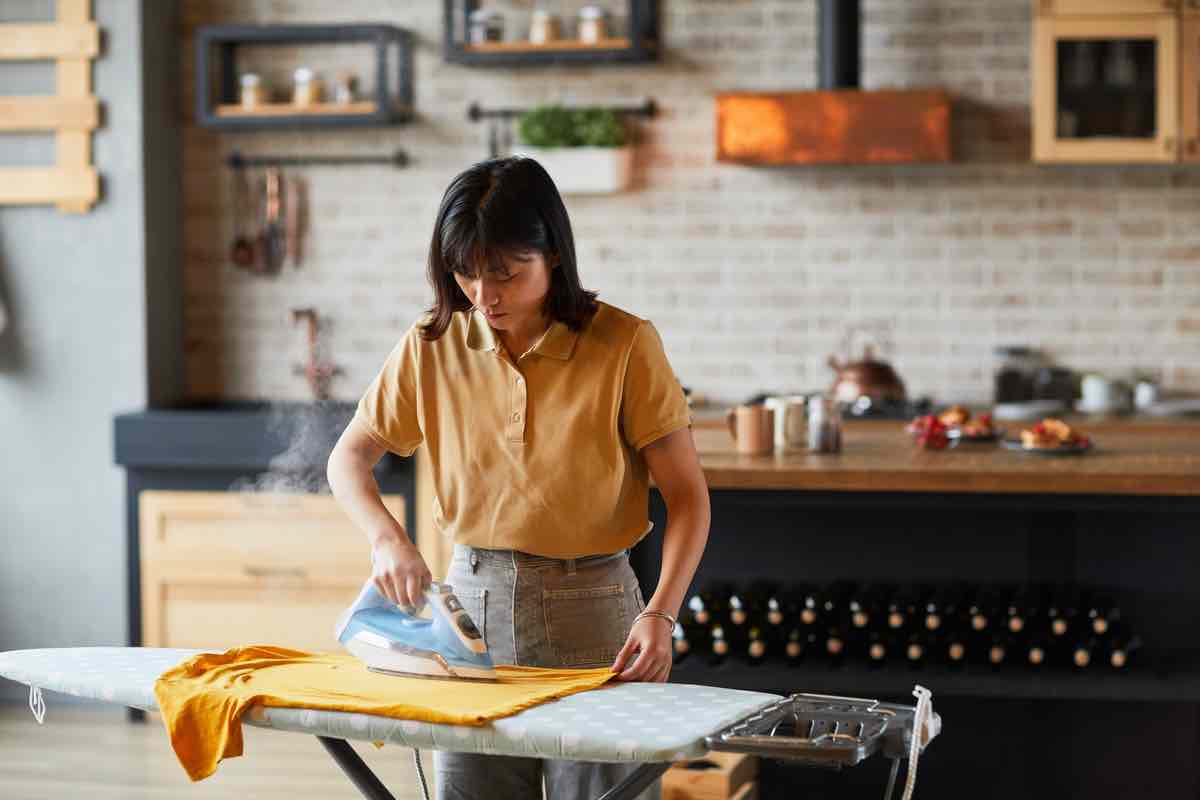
(585, 170)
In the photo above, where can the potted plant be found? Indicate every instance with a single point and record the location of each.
(586, 151)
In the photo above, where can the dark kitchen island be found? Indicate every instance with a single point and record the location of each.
(1124, 516)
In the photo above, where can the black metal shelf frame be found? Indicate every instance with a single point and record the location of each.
(236, 160)
(643, 41)
(390, 107)
(476, 112)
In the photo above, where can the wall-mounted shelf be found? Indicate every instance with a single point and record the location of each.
(72, 113)
(216, 59)
(637, 44)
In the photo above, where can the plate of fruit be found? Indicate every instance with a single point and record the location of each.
(1051, 437)
(962, 426)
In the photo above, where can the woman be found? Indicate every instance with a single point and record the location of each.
(543, 412)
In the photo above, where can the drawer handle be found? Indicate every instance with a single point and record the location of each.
(275, 572)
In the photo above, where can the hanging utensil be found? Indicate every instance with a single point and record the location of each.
(493, 138)
(242, 250)
(271, 237)
(294, 218)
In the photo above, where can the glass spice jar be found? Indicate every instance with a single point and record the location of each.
(593, 24)
(306, 87)
(485, 25)
(545, 27)
(253, 93)
(346, 88)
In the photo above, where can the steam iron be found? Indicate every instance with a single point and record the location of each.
(398, 641)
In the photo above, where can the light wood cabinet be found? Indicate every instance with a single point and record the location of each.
(1107, 88)
(223, 569)
(1091, 8)
(1189, 106)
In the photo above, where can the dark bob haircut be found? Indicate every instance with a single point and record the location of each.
(495, 208)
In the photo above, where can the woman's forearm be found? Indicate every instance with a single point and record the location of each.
(353, 484)
(683, 547)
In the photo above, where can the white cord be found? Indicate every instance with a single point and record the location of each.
(420, 773)
(921, 721)
(36, 704)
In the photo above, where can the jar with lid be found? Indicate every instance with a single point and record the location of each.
(545, 27)
(306, 89)
(346, 88)
(824, 423)
(1014, 379)
(485, 25)
(593, 24)
(253, 93)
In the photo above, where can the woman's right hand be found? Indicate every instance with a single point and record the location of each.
(399, 572)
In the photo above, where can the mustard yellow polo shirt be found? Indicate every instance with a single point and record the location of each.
(539, 452)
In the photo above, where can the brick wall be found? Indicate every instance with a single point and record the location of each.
(753, 275)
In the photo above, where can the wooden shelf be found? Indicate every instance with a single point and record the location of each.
(292, 110)
(561, 45)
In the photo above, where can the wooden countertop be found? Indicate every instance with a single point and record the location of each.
(1128, 458)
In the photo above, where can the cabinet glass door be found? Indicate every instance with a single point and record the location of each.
(1093, 8)
(1106, 89)
(1189, 86)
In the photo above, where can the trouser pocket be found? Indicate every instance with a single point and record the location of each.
(585, 627)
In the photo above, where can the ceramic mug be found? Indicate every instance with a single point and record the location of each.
(790, 424)
(752, 428)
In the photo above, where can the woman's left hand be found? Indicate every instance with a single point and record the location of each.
(650, 641)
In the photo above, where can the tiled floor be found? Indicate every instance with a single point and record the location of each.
(94, 752)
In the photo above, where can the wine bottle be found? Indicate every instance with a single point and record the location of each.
(877, 649)
(1038, 650)
(1062, 611)
(835, 645)
(954, 646)
(901, 608)
(1022, 610)
(777, 608)
(835, 605)
(686, 640)
(1102, 613)
(914, 648)
(931, 608)
(757, 649)
(864, 607)
(800, 641)
(1083, 651)
(719, 647)
(997, 652)
(1121, 646)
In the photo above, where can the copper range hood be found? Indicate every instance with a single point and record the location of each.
(840, 123)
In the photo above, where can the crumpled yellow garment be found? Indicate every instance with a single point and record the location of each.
(203, 698)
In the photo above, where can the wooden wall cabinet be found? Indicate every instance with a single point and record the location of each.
(1189, 79)
(1092, 8)
(224, 569)
(1107, 89)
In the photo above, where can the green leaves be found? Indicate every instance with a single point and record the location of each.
(555, 126)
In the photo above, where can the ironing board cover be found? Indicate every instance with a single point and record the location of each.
(619, 722)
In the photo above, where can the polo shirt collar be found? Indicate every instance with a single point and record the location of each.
(557, 342)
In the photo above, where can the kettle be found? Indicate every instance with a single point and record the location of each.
(867, 377)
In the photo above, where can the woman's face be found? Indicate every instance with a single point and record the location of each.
(512, 300)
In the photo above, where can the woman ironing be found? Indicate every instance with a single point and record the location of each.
(544, 412)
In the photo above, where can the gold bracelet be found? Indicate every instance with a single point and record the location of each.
(661, 614)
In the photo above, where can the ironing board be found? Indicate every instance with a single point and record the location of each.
(651, 723)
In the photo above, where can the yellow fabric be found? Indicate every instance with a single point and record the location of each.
(541, 453)
(203, 698)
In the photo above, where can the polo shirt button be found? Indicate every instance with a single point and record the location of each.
(517, 417)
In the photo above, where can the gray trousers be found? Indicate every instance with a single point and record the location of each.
(541, 612)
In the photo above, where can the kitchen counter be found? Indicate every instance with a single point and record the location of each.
(1129, 457)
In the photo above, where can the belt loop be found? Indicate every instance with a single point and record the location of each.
(570, 563)
(474, 560)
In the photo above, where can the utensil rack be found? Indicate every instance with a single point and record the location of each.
(236, 160)
(476, 112)
(72, 113)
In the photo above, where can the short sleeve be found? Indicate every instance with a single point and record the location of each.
(652, 400)
(388, 408)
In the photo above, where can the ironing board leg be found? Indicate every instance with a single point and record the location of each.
(636, 781)
(356, 769)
